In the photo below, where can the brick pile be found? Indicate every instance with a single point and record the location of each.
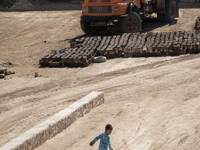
(151, 44)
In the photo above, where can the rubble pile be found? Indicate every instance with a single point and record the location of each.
(4, 73)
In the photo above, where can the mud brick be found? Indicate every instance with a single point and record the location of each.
(136, 52)
(116, 51)
(149, 51)
(64, 60)
(119, 45)
(182, 51)
(126, 55)
(73, 44)
(145, 52)
(62, 50)
(78, 41)
(120, 51)
(85, 41)
(73, 51)
(85, 61)
(89, 55)
(159, 47)
(111, 54)
(70, 61)
(3, 71)
(54, 64)
(198, 47)
(154, 52)
(163, 51)
(90, 61)
(176, 49)
(193, 48)
(57, 57)
(157, 53)
(127, 50)
(167, 48)
(44, 59)
(189, 48)
(82, 39)
(98, 52)
(184, 45)
(44, 62)
(53, 52)
(102, 52)
(124, 43)
(75, 61)
(171, 52)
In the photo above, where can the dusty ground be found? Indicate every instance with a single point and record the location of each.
(153, 103)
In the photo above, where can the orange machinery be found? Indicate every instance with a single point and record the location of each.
(97, 15)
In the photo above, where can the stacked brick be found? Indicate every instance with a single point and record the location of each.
(80, 54)
(4, 73)
(83, 50)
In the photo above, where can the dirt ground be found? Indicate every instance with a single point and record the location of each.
(153, 103)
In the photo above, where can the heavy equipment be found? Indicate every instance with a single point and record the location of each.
(97, 15)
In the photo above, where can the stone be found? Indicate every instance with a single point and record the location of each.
(55, 124)
(2, 76)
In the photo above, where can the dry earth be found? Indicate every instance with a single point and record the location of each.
(153, 103)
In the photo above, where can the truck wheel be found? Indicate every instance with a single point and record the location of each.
(161, 17)
(170, 11)
(131, 24)
(88, 29)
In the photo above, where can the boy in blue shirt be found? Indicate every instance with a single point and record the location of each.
(104, 139)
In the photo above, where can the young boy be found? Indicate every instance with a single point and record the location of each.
(104, 139)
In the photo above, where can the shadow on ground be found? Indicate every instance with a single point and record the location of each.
(153, 23)
(147, 26)
(44, 6)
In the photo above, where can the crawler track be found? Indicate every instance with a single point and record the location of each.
(150, 44)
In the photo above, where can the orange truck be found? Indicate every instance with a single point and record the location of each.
(98, 15)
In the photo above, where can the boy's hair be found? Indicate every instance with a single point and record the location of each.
(108, 127)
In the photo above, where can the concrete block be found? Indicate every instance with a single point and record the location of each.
(55, 124)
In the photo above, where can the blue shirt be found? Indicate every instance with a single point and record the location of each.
(104, 141)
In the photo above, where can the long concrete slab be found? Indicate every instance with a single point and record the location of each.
(55, 124)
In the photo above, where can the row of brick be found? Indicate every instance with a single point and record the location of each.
(83, 50)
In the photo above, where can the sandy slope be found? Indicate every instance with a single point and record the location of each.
(152, 102)
(152, 106)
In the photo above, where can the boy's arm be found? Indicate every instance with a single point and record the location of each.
(95, 139)
(109, 145)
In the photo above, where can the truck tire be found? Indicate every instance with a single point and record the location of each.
(130, 24)
(170, 11)
(89, 30)
(161, 17)
(99, 59)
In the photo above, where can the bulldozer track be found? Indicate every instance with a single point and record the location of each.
(149, 44)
